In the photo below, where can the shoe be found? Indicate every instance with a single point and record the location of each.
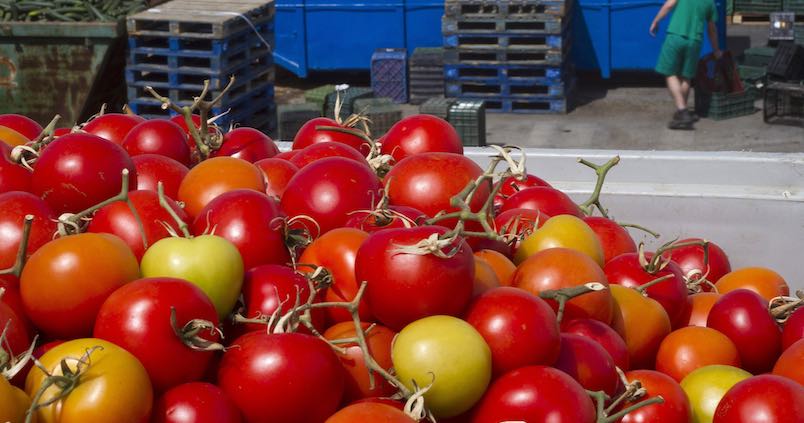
(682, 120)
(680, 125)
(695, 117)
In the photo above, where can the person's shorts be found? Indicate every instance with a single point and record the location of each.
(679, 56)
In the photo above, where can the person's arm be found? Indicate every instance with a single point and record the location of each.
(712, 27)
(666, 8)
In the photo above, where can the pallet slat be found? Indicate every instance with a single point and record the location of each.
(511, 89)
(199, 18)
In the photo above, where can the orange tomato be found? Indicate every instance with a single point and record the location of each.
(13, 403)
(693, 347)
(358, 384)
(557, 268)
(215, 176)
(485, 278)
(642, 323)
(502, 266)
(791, 363)
(11, 137)
(698, 310)
(765, 282)
(369, 412)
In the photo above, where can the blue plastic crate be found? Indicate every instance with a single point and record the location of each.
(487, 73)
(389, 74)
(511, 89)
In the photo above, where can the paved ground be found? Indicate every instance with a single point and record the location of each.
(628, 112)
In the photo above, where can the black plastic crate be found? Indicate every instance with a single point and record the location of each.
(784, 103)
(469, 120)
(437, 106)
(788, 62)
(427, 56)
(721, 106)
(293, 116)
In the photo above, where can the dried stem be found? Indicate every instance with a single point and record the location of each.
(594, 199)
(22, 249)
(641, 228)
(185, 230)
(782, 307)
(644, 287)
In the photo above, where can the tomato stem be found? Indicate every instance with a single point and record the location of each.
(619, 415)
(561, 296)
(594, 199)
(641, 228)
(22, 249)
(658, 261)
(644, 287)
(782, 307)
(188, 334)
(160, 190)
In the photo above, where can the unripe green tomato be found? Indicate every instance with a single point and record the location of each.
(449, 353)
(565, 231)
(706, 386)
(210, 262)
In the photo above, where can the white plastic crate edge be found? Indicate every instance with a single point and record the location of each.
(751, 204)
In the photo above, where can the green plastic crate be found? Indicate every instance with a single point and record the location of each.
(319, 95)
(348, 97)
(795, 6)
(784, 102)
(799, 32)
(293, 116)
(720, 106)
(752, 74)
(757, 6)
(469, 119)
(437, 106)
(758, 56)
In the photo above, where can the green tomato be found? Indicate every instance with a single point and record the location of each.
(565, 231)
(210, 262)
(450, 354)
(706, 386)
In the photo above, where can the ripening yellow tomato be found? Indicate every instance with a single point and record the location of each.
(562, 231)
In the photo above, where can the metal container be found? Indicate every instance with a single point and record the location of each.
(69, 68)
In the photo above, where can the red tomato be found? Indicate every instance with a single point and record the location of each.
(323, 150)
(699, 306)
(791, 363)
(17, 338)
(520, 328)
(247, 144)
(743, 316)
(13, 177)
(370, 413)
(691, 261)
(693, 347)
(378, 339)
(512, 185)
(22, 124)
(287, 377)
(765, 398)
(535, 394)
(251, 221)
(765, 282)
(216, 176)
(603, 335)
(557, 268)
(153, 168)
(419, 134)
(336, 251)
(14, 206)
(195, 402)
(329, 189)
(793, 328)
(12, 298)
(675, 408)
(182, 122)
(137, 317)
(312, 133)
(614, 239)
(161, 137)
(113, 126)
(77, 171)
(404, 287)
(544, 199)
(287, 155)
(588, 363)
(519, 223)
(117, 219)
(65, 282)
(392, 217)
(277, 173)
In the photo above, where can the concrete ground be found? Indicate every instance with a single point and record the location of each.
(628, 112)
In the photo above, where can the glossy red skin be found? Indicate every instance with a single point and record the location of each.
(309, 135)
(26, 126)
(419, 134)
(793, 329)
(287, 155)
(764, 398)
(13, 177)
(14, 206)
(548, 200)
(676, 405)
(251, 221)
(791, 363)
(511, 185)
(13, 299)
(614, 239)
(61, 131)
(427, 182)
(588, 363)
(265, 287)
(18, 339)
(195, 402)
(277, 173)
(137, 318)
(519, 327)
(402, 288)
(117, 219)
(77, 171)
(326, 149)
(535, 394)
(5, 150)
(366, 221)
(379, 341)
(691, 258)
(625, 270)
(743, 316)
(603, 335)
(153, 168)
(480, 243)
(248, 144)
(113, 126)
(329, 189)
(161, 137)
(287, 377)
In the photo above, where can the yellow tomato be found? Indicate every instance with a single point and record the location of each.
(565, 231)
(13, 403)
(12, 137)
(112, 387)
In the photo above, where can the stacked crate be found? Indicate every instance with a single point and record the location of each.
(389, 74)
(178, 45)
(381, 112)
(512, 55)
(426, 74)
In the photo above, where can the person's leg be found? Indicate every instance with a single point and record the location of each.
(676, 87)
(685, 90)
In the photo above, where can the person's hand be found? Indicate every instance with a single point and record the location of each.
(653, 27)
(718, 54)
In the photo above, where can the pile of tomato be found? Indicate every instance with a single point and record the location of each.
(172, 271)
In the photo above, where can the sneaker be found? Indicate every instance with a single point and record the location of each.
(680, 125)
(682, 120)
(695, 117)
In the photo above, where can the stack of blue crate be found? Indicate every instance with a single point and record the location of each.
(389, 74)
(514, 56)
(176, 46)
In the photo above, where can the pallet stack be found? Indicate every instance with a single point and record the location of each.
(512, 55)
(426, 74)
(176, 46)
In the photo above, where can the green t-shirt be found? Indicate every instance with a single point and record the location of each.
(690, 17)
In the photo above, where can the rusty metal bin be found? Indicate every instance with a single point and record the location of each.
(69, 68)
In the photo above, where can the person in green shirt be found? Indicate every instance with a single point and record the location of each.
(678, 59)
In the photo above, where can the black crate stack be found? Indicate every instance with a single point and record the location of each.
(176, 46)
(426, 74)
(511, 55)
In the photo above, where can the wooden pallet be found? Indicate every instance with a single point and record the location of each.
(743, 18)
(200, 18)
